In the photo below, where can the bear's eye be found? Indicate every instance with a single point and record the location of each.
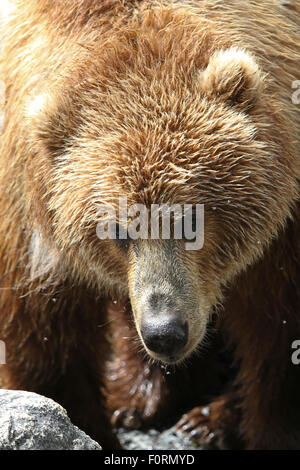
(123, 243)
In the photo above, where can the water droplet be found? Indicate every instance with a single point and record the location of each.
(205, 411)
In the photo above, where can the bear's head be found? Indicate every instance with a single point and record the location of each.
(161, 112)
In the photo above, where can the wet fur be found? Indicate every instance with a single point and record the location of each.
(79, 75)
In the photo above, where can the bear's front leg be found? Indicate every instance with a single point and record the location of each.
(215, 425)
(56, 347)
(262, 410)
(270, 392)
(262, 319)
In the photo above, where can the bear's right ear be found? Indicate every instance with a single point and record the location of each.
(50, 120)
(233, 76)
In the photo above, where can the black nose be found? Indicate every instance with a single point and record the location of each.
(165, 336)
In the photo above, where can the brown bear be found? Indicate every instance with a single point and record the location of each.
(186, 102)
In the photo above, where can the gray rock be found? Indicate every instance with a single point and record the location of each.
(170, 439)
(29, 421)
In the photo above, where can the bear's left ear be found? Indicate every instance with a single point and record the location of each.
(233, 76)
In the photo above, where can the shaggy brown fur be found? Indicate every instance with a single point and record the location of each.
(182, 103)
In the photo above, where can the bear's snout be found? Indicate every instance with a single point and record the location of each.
(165, 335)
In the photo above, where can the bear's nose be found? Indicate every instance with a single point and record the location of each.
(165, 337)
